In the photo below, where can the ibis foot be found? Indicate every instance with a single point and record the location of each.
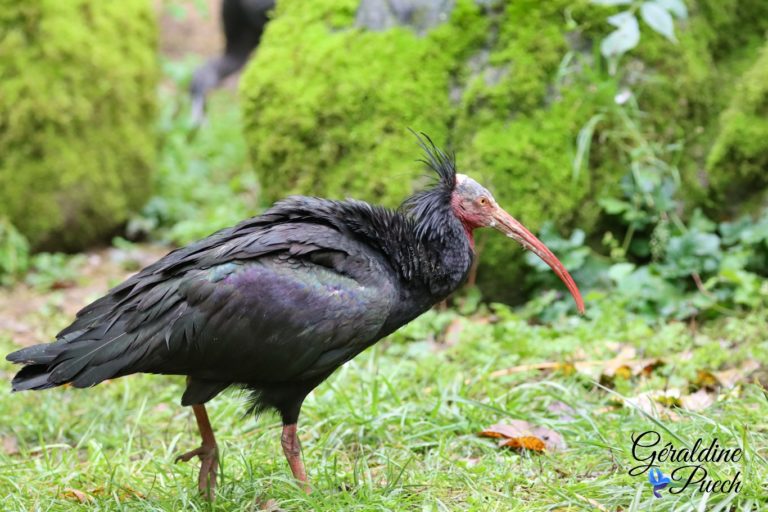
(208, 452)
(292, 450)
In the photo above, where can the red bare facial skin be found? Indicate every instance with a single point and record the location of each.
(475, 207)
(471, 219)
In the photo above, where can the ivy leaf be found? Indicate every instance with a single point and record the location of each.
(676, 7)
(624, 38)
(614, 206)
(619, 271)
(659, 19)
(621, 19)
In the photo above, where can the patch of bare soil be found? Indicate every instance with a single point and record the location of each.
(190, 27)
(187, 27)
(30, 316)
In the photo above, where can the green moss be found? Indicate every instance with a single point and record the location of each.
(324, 119)
(687, 85)
(326, 113)
(76, 110)
(508, 86)
(529, 166)
(734, 25)
(739, 158)
(518, 133)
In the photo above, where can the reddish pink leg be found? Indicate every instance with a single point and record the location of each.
(292, 450)
(208, 453)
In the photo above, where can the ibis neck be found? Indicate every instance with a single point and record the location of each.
(448, 255)
(468, 231)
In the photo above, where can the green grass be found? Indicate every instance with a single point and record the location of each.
(395, 429)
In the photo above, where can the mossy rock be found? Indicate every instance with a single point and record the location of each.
(327, 111)
(327, 106)
(77, 141)
(738, 162)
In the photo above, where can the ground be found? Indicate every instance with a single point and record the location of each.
(396, 428)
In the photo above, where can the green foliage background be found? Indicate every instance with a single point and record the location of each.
(77, 109)
(506, 85)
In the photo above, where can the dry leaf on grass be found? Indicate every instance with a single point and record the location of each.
(10, 445)
(661, 403)
(564, 411)
(729, 378)
(270, 505)
(697, 401)
(76, 495)
(598, 506)
(656, 403)
(123, 493)
(522, 435)
(725, 378)
(453, 332)
(620, 366)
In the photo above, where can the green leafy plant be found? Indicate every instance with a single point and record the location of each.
(14, 253)
(660, 260)
(657, 14)
(51, 270)
(203, 181)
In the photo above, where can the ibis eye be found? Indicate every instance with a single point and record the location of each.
(483, 201)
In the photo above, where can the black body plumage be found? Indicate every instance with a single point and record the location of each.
(275, 304)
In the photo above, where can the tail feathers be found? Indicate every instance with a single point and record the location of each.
(37, 354)
(81, 363)
(34, 376)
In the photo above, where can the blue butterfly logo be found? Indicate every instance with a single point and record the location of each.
(657, 479)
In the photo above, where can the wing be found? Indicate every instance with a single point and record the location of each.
(269, 299)
(276, 320)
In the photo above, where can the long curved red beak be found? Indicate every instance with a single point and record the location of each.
(508, 225)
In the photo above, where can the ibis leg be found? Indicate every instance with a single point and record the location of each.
(208, 452)
(292, 449)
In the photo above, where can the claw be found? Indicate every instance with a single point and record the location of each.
(208, 453)
(209, 465)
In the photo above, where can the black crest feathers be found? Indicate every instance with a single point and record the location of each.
(428, 206)
(439, 161)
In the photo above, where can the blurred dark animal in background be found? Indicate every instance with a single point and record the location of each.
(243, 22)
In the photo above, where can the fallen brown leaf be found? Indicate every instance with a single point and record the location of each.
(706, 379)
(524, 435)
(697, 401)
(453, 332)
(599, 506)
(525, 442)
(270, 505)
(655, 403)
(76, 495)
(729, 378)
(564, 411)
(616, 367)
(10, 445)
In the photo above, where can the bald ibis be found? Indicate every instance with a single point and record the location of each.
(278, 302)
(243, 22)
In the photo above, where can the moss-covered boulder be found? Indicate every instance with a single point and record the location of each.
(507, 85)
(738, 162)
(327, 107)
(77, 103)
